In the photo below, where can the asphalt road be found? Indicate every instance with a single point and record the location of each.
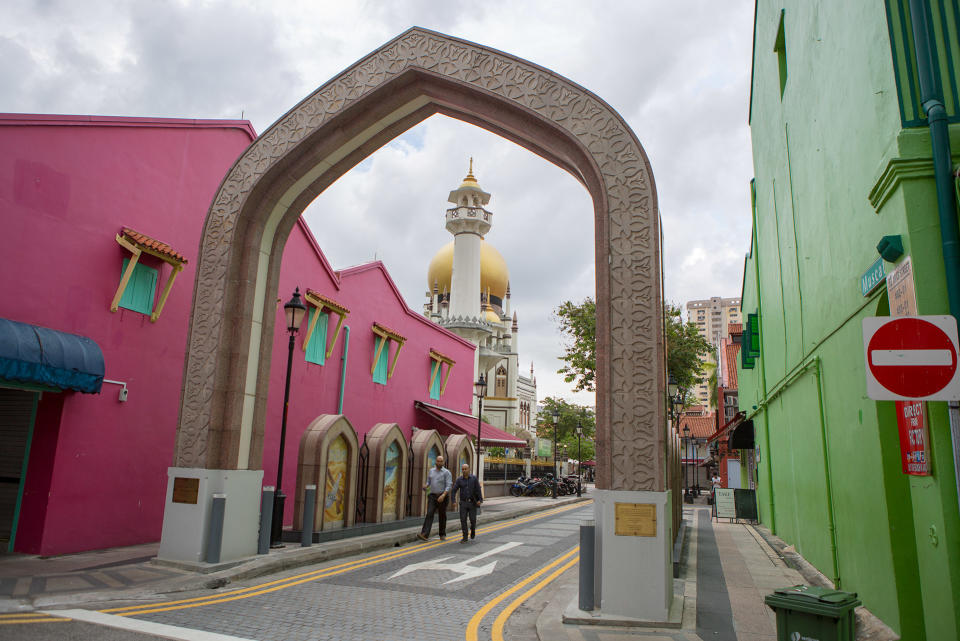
(487, 589)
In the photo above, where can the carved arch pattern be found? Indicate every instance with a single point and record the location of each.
(548, 112)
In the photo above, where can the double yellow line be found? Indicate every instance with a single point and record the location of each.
(289, 582)
(29, 617)
(498, 624)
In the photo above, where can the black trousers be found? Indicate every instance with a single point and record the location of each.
(438, 507)
(468, 508)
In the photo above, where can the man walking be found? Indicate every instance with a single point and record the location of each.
(467, 488)
(439, 482)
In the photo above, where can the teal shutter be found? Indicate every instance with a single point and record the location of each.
(380, 372)
(435, 388)
(141, 288)
(317, 347)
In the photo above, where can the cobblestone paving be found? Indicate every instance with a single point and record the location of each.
(369, 603)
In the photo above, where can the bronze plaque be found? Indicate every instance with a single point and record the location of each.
(635, 519)
(185, 490)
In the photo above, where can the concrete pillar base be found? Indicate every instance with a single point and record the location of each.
(633, 574)
(186, 520)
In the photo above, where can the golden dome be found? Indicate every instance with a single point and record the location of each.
(491, 316)
(493, 270)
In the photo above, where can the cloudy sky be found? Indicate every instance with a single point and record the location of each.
(678, 72)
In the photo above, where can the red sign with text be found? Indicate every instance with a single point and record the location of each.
(912, 425)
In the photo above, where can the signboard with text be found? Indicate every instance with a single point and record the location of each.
(726, 507)
(912, 426)
(872, 277)
(911, 358)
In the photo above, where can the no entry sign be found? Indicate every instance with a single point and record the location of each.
(911, 358)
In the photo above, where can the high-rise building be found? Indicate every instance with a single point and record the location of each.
(712, 316)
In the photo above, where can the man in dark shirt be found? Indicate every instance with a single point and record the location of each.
(467, 491)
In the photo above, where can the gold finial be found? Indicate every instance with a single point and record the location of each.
(470, 177)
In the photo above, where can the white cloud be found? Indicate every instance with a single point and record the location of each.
(677, 72)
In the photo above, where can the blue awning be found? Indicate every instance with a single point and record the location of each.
(38, 355)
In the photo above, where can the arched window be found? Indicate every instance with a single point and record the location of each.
(501, 386)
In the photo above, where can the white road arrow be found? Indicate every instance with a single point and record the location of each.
(463, 568)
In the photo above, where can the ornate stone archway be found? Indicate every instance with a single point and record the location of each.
(410, 78)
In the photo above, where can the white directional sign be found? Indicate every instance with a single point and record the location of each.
(463, 568)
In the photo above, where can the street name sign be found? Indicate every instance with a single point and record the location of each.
(911, 358)
(872, 277)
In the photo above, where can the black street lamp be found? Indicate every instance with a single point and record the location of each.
(579, 458)
(480, 390)
(293, 310)
(556, 419)
(686, 465)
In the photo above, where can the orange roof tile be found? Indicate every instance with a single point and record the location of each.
(389, 332)
(328, 301)
(440, 356)
(735, 328)
(155, 245)
(732, 351)
(700, 426)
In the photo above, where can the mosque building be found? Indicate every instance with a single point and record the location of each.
(470, 296)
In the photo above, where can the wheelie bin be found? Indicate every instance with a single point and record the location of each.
(807, 613)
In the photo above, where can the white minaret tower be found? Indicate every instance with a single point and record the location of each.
(468, 221)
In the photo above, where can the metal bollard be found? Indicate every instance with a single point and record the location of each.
(215, 533)
(309, 509)
(587, 534)
(266, 519)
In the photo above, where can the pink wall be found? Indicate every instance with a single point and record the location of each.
(371, 296)
(97, 478)
(98, 468)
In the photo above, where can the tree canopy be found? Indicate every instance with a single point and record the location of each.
(570, 414)
(686, 349)
(579, 323)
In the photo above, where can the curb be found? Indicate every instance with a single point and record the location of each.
(210, 578)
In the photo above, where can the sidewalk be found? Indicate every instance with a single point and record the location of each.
(132, 574)
(726, 570)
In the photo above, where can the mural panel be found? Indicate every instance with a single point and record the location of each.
(336, 483)
(391, 481)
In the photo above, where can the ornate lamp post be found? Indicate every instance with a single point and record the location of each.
(293, 310)
(480, 390)
(579, 458)
(556, 419)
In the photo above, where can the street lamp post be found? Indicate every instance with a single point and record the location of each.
(556, 419)
(293, 310)
(686, 463)
(480, 388)
(579, 458)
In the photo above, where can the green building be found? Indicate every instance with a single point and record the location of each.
(843, 158)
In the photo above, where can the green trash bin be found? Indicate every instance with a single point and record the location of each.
(807, 613)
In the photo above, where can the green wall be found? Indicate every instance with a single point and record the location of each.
(835, 172)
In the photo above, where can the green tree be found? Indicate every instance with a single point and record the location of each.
(686, 349)
(570, 414)
(579, 323)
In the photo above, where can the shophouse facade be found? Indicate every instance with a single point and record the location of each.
(843, 171)
(87, 200)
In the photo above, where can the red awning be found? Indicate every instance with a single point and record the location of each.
(589, 463)
(449, 422)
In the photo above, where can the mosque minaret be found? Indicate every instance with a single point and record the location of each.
(470, 295)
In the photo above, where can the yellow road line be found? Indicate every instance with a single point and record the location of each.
(501, 620)
(29, 617)
(474, 623)
(288, 582)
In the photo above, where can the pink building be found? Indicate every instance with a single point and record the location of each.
(103, 214)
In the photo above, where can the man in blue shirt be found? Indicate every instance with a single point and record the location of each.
(439, 481)
(468, 491)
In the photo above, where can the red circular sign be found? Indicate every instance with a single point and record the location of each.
(912, 357)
